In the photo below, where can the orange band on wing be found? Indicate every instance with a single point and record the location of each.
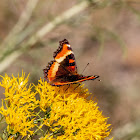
(52, 71)
(62, 55)
(64, 50)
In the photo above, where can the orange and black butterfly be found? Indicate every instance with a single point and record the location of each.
(63, 70)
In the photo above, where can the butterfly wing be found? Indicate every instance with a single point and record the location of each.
(81, 79)
(63, 65)
(56, 75)
(65, 56)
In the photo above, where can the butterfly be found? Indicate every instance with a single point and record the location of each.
(63, 70)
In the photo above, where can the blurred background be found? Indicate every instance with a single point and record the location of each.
(103, 33)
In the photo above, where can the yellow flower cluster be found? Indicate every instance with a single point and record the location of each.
(62, 112)
(19, 105)
(71, 116)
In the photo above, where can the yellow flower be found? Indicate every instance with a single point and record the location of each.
(11, 138)
(49, 94)
(59, 113)
(20, 103)
(70, 115)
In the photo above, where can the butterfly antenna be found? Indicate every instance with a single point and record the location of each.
(85, 67)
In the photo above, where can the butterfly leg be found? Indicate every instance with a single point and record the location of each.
(67, 87)
(77, 86)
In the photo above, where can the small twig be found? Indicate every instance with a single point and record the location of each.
(16, 36)
(9, 59)
(2, 122)
(39, 127)
(1, 118)
(42, 32)
(64, 16)
(23, 20)
(127, 130)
